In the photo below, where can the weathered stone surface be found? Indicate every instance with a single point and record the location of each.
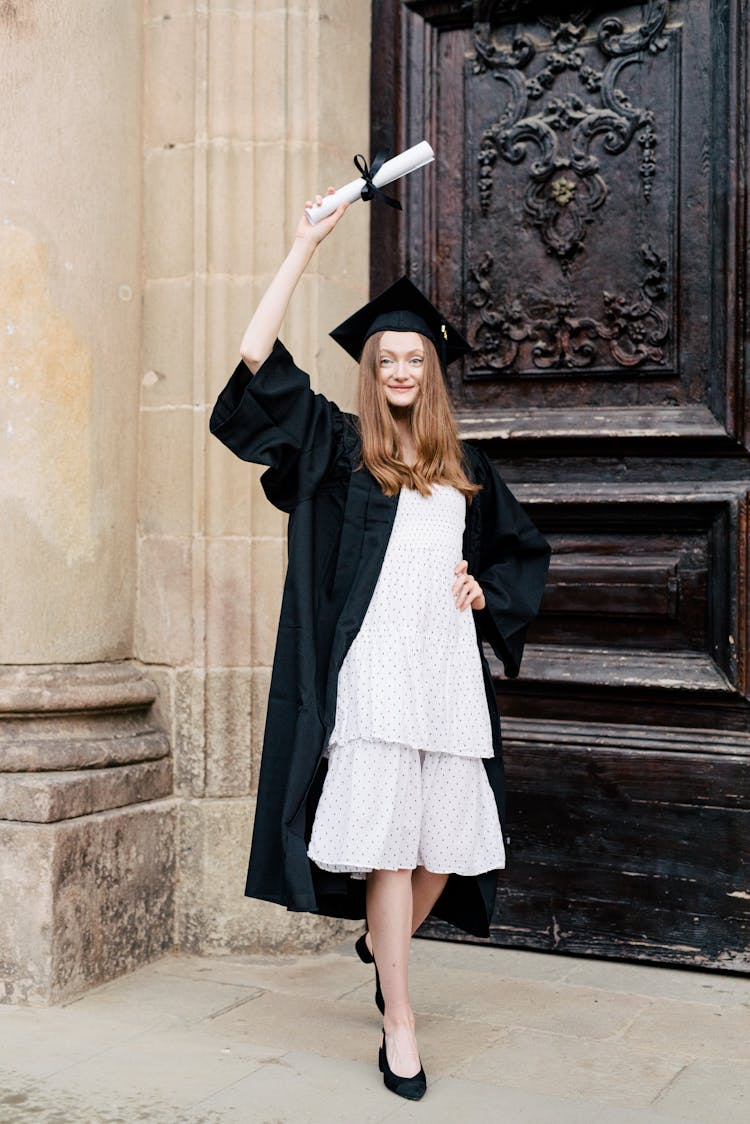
(98, 900)
(229, 603)
(709, 1089)
(259, 709)
(27, 889)
(227, 475)
(339, 375)
(168, 212)
(212, 913)
(166, 503)
(169, 79)
(609, 1072)
(343, 88)
(68, 716)
(229, 305)
(164, 630)
(244, 1039)
(237, 44)
(235, 219)
(132, 541)
(706, 1032)
(162, 709)
(167, 369)
(34, 749)
(189, 732)
(70, 279)
(228, 732)
(51, 796)
(60, 688)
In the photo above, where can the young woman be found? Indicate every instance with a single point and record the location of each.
(381, 787)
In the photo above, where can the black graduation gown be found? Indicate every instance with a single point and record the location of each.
(339, 525)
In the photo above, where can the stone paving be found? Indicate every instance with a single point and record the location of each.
(506, 1035)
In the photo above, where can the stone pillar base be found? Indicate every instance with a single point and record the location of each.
(87, 829)
(84, 900)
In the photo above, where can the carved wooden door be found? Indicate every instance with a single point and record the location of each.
(585, 224)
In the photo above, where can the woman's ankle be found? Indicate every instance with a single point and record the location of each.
(397, 1019)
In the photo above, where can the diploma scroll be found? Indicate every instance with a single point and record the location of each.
(408, 161)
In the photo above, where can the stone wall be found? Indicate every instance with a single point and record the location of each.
(250, 106)
(149, 189)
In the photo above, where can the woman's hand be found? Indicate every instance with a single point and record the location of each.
(311, 234)
(466, 589)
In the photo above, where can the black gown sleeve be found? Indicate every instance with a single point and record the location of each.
(275, 418)
(514, 562)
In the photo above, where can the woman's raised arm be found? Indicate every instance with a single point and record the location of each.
(263, 329)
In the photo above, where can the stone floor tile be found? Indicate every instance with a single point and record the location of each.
(709, 1090)
(285, 1022)
(323, 974)
(452, 1099)
(345, 1030)
(28, 1102)
(179, 1067)
(603, 1072)
(691, 1030)
(537, 1004)
(653, 980)
(303, 1088)
(146, 997)
(511, 963)
(447, 1043)
(192, 1040)
(38, 1042)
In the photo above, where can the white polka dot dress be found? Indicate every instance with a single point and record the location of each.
(406, 785)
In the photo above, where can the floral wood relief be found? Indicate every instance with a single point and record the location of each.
(631, 329)
(566, 185)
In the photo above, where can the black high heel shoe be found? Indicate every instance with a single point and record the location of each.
(366, 957)
(413, 1088)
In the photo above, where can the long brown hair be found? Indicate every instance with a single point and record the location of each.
(439, 459)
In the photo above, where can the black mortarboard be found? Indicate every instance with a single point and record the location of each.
(401, 308)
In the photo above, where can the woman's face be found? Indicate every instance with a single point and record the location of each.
(401, 367)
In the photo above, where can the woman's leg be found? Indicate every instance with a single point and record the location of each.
(389, 918)
(426, 888)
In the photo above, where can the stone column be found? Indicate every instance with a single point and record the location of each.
(86, 838)
(251, 105)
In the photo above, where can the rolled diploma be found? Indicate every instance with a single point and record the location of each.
(415, 157)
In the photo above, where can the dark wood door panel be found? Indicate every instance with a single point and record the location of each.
(585, 225)
(640, 573)
(621, 850)
(625, 851)
(616, 584)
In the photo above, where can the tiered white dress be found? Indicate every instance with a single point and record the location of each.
(405, 785)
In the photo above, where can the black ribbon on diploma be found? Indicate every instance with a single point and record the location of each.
(369, 191)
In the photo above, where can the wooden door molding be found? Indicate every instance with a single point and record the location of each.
(587, 144)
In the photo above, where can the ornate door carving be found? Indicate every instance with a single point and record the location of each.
(585, 224)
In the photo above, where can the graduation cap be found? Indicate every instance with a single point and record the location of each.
(401, 308)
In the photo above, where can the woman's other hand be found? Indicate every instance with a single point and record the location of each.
(466, 589)
(313, 234)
